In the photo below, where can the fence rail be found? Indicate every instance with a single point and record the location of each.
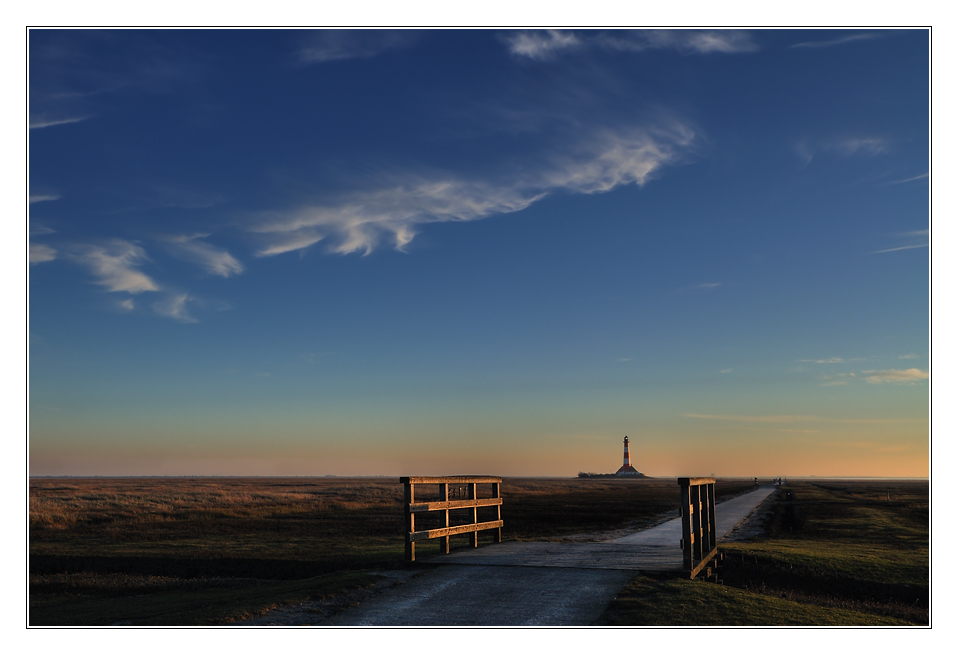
(445, 504)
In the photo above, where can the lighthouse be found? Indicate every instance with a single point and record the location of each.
(627, 469)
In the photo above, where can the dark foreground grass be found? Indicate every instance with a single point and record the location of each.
(678, 602)
(200, 551)
(833, 553)
(91, 600)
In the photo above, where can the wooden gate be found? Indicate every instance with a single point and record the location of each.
(446, 504)
(697, 504)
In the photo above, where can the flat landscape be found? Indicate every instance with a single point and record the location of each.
(203, 551)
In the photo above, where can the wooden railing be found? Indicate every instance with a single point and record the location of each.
(697, 505)
(468, 485)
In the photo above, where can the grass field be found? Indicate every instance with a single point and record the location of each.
(178, 551)
(834, 553)
(206, 550)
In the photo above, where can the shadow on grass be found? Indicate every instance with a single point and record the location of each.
(677, 602)
(180, 603)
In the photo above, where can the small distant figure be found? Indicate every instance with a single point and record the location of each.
(755, 481)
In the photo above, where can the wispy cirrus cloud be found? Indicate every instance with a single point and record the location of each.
(807, 149)
(214, 260)
(540, 45)
(40, 198)
(544, 45)
(41, 253)
(43, 121)
(906, 376)
(864, 145)
(700, 288)
(174, 306)
(115, 265)
(699, 42)
(789, 419)
(923, 176)
(919, 239)
(836, 42)
(834, 360)
(762, 419)
(875, 376)
(333, 45)
(838, 379)
(393, 210)
(902, 248)
(39, 230)
(393, 213)
(285, 240)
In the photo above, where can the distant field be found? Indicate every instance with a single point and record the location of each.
(205, 550)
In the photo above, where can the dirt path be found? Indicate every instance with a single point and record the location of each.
(517, 583)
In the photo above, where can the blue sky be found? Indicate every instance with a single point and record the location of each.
(417, 252)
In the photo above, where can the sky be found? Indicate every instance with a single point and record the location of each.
(374, 252)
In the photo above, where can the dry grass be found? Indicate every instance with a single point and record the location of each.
(99, 540)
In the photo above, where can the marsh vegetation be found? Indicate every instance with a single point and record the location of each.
(187, 551)
(206, 550)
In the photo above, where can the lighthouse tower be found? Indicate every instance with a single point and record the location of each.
(627, 469)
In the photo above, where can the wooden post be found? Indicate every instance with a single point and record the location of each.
(408, 499)
(445, 496)
(498, 532)
(711, 509)
(697, 522)
(704, 504)
(686, 509)
(471, 494)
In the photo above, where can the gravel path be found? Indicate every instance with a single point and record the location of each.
(526, 583)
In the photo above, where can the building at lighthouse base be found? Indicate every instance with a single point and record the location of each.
(628, 470)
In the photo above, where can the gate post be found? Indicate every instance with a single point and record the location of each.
(471, 494)
(408, 500)
(445, 496)
(498, 535)
(686, 510)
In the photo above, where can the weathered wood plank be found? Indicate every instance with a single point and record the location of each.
(706, 561)
(451, 479)
(696, 481)
(453, 530)
(427, 506)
